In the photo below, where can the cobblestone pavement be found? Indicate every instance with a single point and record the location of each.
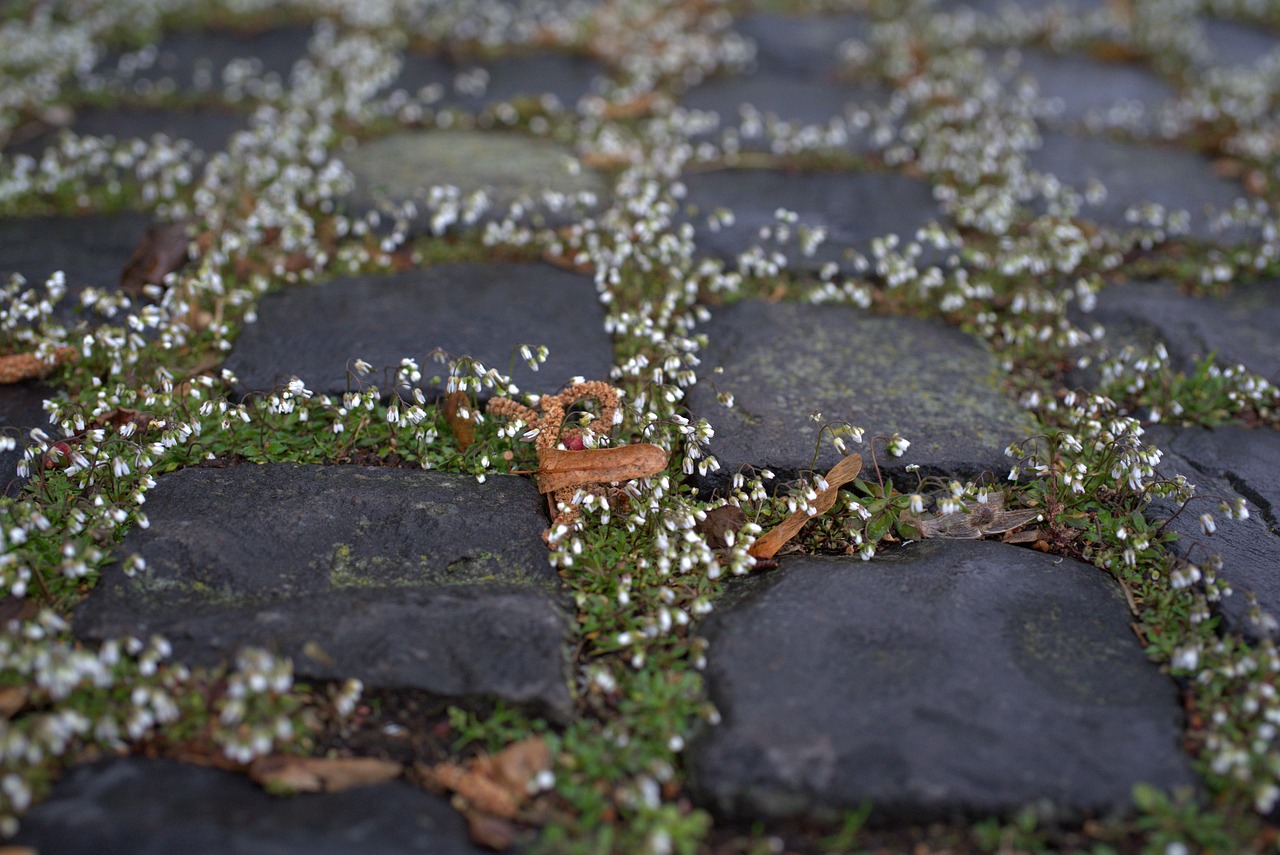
(985, 234)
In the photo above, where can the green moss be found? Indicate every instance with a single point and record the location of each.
(348, 571)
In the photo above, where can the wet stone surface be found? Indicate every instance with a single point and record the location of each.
(781, 115)
(1135, 175)
(207, 128)
(136, 806)
(1236, 43)
(1229, 463)
(90, 250)
(21, 409)
(404, 579)
(480, 310)
(784, 361)
(842, 682)
(849, 206)
(793, 94)
(1239, 328)
(256, 64)
(557, 81)
(1084, 91)
(802, 46)
(403, 167)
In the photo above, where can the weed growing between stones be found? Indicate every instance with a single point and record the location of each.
(146, 394)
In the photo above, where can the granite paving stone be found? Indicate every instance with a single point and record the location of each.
(802, 46)
(404, 166)
(783, 361)
(849, 206)
(1228, 463)
(404, 579)
(480, 310)
(559, 80)
(1084, 91)
(774, 112)
(942, 680)
(1239, 327)
(945, 680)
(1135, 174)
(21, 409)
(795, 83)
(207, 128)
(90, 250)
(207, 60)
(138, 806)
(1237, 43)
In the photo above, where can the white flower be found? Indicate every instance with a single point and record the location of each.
(1185, 659)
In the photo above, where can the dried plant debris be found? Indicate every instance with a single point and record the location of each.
(17, 367)
(775, 538)
(977, 521)
(562, 471)
(721, 525)
(164, 248)
(282, 773)
(494, 791)
(461, 419)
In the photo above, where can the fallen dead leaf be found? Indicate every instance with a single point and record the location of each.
(122, 416)
(287, 773)
(16, 367)
(718, 523)
(605, 160)
(12, 700)
(641, 105)
(980, 520)
(163, 249)
(567, 261)
(464, 428)
(476, 789)
(558, 470)
(1031, 535)
(488, 830)
(774, 539)
(520, 762)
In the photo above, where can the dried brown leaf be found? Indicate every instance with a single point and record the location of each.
(639, 106)
(281, 772)
(519, 763)
(464, 429)
(490, 831)
(718, 523)
(774, 539)
(1031, 535)
(478, 790)
(12, 700)
(162, 250)
(558, 469)
(16, 367)
(980, 520)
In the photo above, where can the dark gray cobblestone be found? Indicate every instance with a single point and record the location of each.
(944, 680)
(135, 806)
(482, 311)
(1227, 464)
(783, 362)
(403, 579)
(904, 665)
